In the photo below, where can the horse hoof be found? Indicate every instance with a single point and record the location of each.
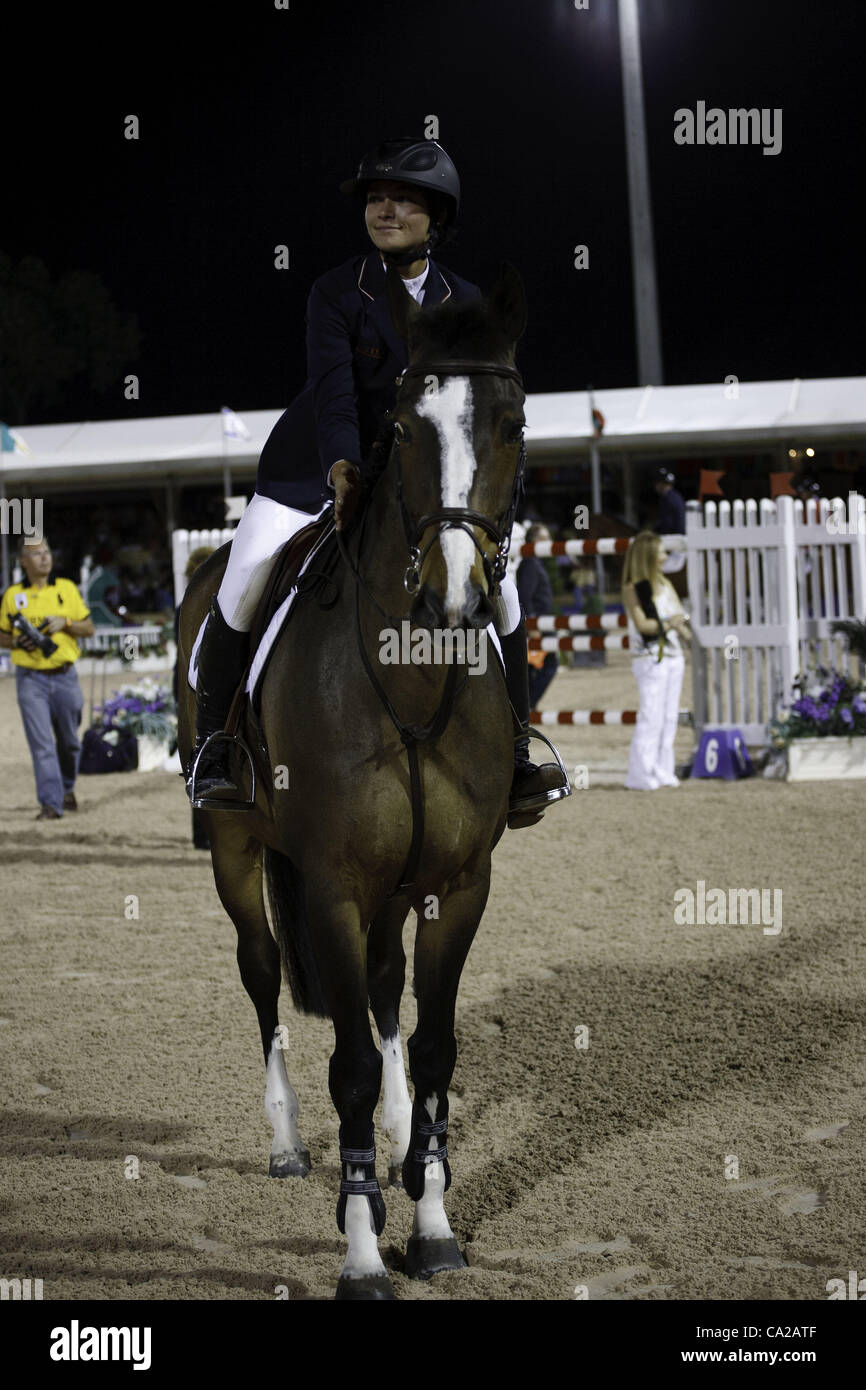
(368, 1288)
(289, 1165)
(435, 1255)
(395, 1176)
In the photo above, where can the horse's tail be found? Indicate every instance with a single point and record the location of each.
(286, 893)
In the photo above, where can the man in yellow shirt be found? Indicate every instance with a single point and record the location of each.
(49, 695)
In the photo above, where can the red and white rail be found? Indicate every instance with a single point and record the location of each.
(576, 622)
(586, 643)
(593, 716)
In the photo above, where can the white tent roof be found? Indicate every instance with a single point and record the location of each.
(558, 422)
(741, 413)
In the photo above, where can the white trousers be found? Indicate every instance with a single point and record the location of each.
(263, 528)
(651, 755)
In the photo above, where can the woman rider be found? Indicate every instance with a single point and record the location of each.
(320, 446)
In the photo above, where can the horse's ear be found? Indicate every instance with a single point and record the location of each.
(401, 306)
(507, 300)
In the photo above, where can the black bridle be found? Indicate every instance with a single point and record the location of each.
(460, 518)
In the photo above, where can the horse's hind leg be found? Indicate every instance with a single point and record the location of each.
(441, 948)
(386, 975)
(237, 865)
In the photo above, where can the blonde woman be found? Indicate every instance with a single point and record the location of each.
(656, 622)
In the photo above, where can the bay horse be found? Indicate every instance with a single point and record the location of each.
(384, 788)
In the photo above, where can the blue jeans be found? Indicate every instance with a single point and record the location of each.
(51, 709)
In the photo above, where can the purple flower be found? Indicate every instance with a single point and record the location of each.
(847, 716)
(858, 704)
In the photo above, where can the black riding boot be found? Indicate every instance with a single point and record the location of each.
(531, 785)
(222, 657)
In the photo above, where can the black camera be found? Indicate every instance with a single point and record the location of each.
(41, 639)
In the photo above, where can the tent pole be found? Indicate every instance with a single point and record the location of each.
(628, 490)
(595, 470)
(169, 511)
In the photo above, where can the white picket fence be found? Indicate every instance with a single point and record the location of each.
(766, 580)
(183, 543)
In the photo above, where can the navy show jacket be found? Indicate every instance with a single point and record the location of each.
(354, 357)
(672, 514)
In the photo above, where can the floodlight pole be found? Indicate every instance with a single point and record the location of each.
(649, 349)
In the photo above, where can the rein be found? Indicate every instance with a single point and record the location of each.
(463, 518)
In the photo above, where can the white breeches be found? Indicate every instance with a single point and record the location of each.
(651, 755)
(263, 528)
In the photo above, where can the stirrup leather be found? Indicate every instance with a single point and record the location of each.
(222, 803)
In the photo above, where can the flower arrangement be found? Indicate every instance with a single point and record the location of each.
(831, 704)
(145, 709)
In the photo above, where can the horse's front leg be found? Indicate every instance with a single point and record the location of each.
(386, 974)
(441, 948)
(355, 1076)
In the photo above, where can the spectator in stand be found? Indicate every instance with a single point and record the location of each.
(671, 518)
(806, 487)
(536, 598)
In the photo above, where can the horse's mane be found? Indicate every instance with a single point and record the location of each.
(451, 328)
(456, 330)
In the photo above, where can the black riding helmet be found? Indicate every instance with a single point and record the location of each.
(424, 164)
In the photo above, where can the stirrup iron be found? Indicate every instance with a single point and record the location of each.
(222, 803)
(542, 800)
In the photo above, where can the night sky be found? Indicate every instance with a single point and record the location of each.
(251, 116)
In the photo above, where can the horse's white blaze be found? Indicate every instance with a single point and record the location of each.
(430, 1218)
(450, 410)
(281, 1104)
(362, 1256)
(397, 1109)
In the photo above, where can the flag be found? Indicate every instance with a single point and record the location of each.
(11, 441)
(233, 425)
(596, 417)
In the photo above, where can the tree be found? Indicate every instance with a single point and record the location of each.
(54, 331)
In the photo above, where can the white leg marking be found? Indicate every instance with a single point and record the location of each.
(397, 1109)
(430, 1218)
(281, 1104)
(362, 1256)
(450, 410)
